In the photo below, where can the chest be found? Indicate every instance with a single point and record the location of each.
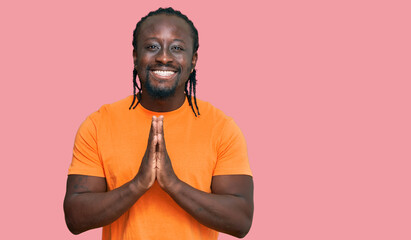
(192, 152)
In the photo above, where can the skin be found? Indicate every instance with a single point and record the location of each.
(228, 209)
(165, 46)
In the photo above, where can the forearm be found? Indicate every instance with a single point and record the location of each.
(88, 210)
(222, 212)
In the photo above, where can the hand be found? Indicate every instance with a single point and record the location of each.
(156, 163)
(164, 169)
(147, 173)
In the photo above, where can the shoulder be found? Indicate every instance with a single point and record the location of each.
(210, 112)
(120, 106)
(215, 118)
(117, 109)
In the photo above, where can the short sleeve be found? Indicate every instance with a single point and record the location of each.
(232, 157)
(86, 160)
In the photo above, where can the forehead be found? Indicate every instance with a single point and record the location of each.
(165, 25)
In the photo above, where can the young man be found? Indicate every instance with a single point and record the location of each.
(151, 166)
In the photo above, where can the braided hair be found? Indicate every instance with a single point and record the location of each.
(190, 86)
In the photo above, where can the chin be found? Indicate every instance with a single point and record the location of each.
(160, 92)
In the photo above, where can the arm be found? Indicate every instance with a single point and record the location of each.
(87, 203)
(228, 209)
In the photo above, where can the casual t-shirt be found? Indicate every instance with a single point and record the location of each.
(111, 143)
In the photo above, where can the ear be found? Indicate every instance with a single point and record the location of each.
(194, 60)
(134, 57)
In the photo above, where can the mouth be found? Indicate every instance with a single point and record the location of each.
(163, 74)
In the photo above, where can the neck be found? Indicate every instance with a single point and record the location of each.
(164, 104)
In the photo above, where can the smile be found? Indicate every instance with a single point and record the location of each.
(163, 74)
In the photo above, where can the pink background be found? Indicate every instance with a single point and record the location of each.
(321, 90)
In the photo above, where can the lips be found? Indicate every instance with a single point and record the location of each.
(163, 74)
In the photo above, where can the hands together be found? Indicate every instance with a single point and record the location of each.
(156, 164)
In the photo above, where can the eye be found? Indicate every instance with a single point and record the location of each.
(152, 47)
(177, 48)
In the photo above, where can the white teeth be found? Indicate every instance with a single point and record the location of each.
(163, 73)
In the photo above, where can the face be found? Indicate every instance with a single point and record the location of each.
(164, 55)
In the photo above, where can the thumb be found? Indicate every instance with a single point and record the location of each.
(153, 145)
(160, 135)
(153, 130)
(160, 141)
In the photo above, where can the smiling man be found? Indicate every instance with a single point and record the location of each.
(151, 166)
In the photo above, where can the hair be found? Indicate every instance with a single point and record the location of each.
(190, 86)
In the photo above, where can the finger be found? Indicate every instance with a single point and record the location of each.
(160, 125)
(153, 119)
(160, 153)
(153, 151)
(155, 125)
(160, 135)
(152, 129)
(161, 145)
(153, 145)
(162, 149)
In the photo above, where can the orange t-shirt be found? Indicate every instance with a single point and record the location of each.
(111, 143)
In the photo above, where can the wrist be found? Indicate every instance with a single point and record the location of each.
(173, 186)
(137, 187)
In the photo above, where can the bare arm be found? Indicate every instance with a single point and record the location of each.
(87, 203)
(229, 208)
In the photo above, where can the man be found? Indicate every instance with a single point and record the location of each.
(158, 169)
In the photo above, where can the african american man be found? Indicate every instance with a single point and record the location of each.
(151, 166)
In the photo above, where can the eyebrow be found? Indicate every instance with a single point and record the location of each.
(176, 39)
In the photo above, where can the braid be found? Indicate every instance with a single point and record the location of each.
(188, 94)
(192, 81)
(135, 86)
(192, 78)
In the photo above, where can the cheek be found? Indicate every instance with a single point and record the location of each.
(186, 64)
(142, 65)
(141, 72)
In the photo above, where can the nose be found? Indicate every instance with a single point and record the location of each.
(164, 56)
